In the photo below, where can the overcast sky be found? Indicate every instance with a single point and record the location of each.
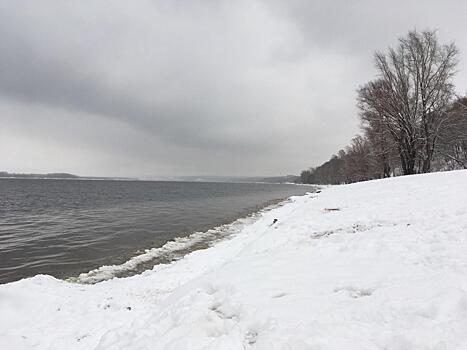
(154, 88)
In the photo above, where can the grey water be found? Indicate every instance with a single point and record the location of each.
(67, 227)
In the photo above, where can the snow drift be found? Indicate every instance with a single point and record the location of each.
(374, 265)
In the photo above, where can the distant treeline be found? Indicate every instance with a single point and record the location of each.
(63, 176)
(411, 120)
(39, 176)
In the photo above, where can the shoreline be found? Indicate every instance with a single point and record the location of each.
(82, 231)
(176, 248)
(374, 265)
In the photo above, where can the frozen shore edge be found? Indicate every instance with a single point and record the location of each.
(373, 265)
(176, 248)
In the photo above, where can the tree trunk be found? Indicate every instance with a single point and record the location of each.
(408, 157)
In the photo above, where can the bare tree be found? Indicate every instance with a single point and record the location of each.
(383, 101)
(408, 113)
(382, 145)
(410, 95)
(453, 136)
(431, 67)
(357, 160)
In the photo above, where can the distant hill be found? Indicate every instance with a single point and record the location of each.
(67, 176)
(39, 176)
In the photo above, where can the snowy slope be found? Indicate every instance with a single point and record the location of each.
(375, 265)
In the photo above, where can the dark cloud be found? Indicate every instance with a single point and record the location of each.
(216, 87)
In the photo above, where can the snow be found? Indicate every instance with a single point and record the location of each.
(170, 251)
(374, 265)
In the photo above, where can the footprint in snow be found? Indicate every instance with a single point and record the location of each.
(250, 337)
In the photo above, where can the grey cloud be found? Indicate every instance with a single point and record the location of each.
(180, 99)
(356, 27)
(196, 87)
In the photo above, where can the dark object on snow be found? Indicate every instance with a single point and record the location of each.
(274, 221)
(331, 209)
(318, 191)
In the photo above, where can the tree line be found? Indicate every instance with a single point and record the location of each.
(412, 121)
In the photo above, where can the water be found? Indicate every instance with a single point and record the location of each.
(67, 227)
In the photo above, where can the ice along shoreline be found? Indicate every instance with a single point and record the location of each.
(177, 248)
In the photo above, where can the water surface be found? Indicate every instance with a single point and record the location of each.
(67, 227)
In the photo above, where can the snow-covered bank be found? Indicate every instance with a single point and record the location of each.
(375, 265)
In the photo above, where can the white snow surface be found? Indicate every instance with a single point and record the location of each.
(374, 265)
